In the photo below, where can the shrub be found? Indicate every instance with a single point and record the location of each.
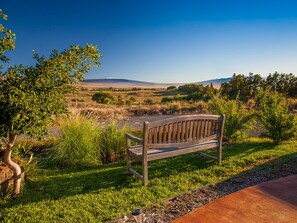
(190, 88)
(133, 99)
(26, 147)
(102, 97)
(112, 143)
(148, 102)
(238, 118)
(128, 102)
(171, 88)
(78, 144)
(120, 100)
(195, 96)
(178, 97)
(107, 101)
(166, 99)
(274, 115)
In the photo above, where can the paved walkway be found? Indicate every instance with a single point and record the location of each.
(274, 201)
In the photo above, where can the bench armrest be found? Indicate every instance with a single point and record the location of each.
(134, 138)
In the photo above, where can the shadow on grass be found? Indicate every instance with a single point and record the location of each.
(56, 184)
(191, 162)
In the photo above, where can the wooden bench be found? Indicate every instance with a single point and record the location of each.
(175, 136)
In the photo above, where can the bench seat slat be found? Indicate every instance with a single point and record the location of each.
(179, 144)
(160, 153)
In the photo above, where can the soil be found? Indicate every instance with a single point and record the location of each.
(180, 205)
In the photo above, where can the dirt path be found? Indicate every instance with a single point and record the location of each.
(137, 122)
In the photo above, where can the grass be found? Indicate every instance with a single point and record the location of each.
(78, 144)
(105, 192)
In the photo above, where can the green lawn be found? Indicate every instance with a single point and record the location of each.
(105, 192)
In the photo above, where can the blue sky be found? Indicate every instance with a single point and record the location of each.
(162, 41)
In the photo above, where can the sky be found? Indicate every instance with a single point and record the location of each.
(164, 41)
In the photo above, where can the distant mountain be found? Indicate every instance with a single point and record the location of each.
(125, 83)
(115, 80)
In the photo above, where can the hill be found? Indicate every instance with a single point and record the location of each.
(126, 83)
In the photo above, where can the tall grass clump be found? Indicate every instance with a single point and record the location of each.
(274, 115)
(238, 117)
(112, 143)
(78, 144)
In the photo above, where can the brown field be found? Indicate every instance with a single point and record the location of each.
(82, 102)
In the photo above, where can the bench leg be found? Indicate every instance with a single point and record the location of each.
(145, 172)
(129, 161)
(219, 150)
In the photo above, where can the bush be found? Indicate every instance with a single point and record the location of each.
(101, 97)
(108, 101)
(238, 118)
(128, 102)
(171, 88)
(166, 100)
(148, 102)
(195, 96)
(26, 147)
(120, 100)
(178, 97)
(78, 144)
(274, 115)
(133, 99)
(112, 143)
(190, 88)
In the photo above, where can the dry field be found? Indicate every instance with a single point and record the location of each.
(81, 101)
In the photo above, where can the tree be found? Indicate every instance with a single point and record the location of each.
(30, 96)
(238, 117)
(274, 115)
(7, 40)
(237, 85)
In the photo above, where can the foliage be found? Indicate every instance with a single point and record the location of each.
(78, 144)
(30, 96)
(112, 143)
(102, 97)
(166, 99)
(129, 102)
(190, 88)
(148, 101)
(7, 40)
(26, 147)
(250, 85)
(171, 88)
(274, 115)
(105, 192)
(133, 99)
(282, 83)
(178, 97)
(120, 100)
(238, 118)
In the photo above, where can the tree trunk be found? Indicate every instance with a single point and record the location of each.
(14, 166)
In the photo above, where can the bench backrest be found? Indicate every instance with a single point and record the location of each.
(183, 130)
